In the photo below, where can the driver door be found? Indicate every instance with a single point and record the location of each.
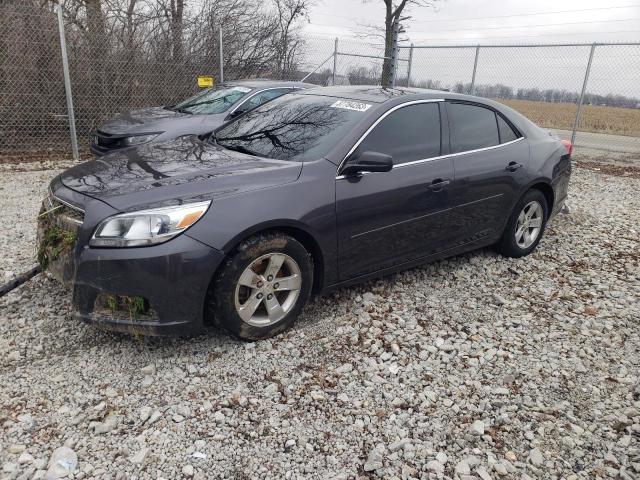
(385, 219)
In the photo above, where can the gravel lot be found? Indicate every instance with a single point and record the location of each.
(477, 367)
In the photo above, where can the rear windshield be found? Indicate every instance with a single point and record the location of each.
(293, 127)
(212, 100)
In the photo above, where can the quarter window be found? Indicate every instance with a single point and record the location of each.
(471, 127)
(506, 132)
(410, 133)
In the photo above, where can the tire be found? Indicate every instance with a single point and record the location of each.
(235, 300)
(509, 245)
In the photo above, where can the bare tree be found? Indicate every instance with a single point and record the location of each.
(177, 13)
(289, 12)
(394, 13)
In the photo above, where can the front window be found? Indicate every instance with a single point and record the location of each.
(408, 134)
(212, 100)
(293, 127)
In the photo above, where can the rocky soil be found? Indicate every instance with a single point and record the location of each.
(477, 367)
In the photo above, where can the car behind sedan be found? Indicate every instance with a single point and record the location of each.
(196, 115)
(309, 192)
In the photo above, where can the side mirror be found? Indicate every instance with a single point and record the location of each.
(368, 162)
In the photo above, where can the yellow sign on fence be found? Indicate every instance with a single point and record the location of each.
(205, 82)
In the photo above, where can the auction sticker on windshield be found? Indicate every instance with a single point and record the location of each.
(351, 105)
(241, 89)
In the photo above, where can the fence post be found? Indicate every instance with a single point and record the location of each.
(409, 66)
(220, 52)
(475, 69)
(576, 122)
(335, 60)
(67, 86)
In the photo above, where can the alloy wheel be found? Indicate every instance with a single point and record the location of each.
(268, 289)
(529, 224)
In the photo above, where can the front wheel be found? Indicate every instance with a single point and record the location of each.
(525, 226)
(263, 286)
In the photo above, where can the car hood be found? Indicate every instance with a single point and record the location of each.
(174, 172)
(159, 119)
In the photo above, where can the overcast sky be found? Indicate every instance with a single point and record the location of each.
(489, 21)
(493, 22)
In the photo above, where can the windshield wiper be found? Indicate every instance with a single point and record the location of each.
(240, 148)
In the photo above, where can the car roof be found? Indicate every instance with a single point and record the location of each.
(377, 94)
(266, 83)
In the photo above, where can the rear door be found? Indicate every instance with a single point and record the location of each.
(385, 219)
(490, 158)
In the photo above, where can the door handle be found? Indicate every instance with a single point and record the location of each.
(513, 166)
(438, 185)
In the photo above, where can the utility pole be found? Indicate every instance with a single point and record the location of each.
(409, 66)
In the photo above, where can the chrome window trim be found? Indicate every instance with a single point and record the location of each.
(449, 155)
(382, 117)
(260, 91)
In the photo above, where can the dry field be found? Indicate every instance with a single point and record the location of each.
(612, 120)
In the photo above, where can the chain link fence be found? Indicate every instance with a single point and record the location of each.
(127, 66)
(546, 83)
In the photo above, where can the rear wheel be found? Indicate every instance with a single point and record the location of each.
(525, 226)
(263, 286)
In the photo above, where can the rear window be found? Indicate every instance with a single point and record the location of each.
(293, 127)
(471, 127)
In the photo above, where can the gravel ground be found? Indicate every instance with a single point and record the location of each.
(477, 367)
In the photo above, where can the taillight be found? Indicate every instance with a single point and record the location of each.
(568, 146)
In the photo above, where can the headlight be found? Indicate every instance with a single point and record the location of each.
(138, 139)
(147, 227)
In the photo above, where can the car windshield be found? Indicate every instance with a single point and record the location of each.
(293, 127)
(212, 100)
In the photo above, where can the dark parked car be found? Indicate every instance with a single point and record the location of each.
(196, 115)
(314, 190)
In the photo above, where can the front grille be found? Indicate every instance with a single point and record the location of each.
(66, 216)
(58, 227)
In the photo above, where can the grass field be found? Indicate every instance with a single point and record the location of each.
(611, 120)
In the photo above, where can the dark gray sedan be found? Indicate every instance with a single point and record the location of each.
(309, 192)
(199, 114)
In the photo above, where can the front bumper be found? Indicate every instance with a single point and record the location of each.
(170, 280)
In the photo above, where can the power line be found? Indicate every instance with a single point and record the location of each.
(496, 16)
(529, 26)
(531, 14)
(528, 36)
(505, 26)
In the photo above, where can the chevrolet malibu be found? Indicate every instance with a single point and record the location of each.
(311, 191)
